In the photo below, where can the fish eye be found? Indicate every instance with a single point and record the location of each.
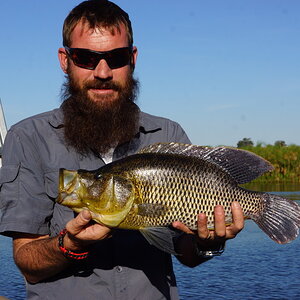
(97, 175)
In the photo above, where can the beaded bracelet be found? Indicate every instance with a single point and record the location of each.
(68, 253)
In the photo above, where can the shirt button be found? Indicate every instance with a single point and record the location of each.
(119, 269)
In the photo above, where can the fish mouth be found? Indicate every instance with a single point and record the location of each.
(67, 184)
(61, 197)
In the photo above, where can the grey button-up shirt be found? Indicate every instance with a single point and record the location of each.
(122, 267)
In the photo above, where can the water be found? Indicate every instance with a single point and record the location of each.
(252, 267)
(11, 281)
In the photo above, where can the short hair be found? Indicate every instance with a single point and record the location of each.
(97, 14)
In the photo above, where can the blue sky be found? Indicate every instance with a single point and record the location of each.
(223, 69)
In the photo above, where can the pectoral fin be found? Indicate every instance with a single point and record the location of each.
(161, 237)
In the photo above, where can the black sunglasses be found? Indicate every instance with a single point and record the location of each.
(89, 59)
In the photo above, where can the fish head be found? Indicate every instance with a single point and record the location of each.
(109, 198)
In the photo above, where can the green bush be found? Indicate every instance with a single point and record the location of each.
(285, 159)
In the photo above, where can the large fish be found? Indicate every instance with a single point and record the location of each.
(170, 182)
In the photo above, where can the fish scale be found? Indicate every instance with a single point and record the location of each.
(204, 189)
(171, 182)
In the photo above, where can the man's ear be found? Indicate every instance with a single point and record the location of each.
(133, 58)
(63, 59)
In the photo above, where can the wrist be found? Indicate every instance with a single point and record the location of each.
(207, 252)
(76, 254)
(72, 243)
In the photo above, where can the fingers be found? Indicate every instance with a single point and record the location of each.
(238, 219)
(76, 225)
(219, 220)
(180, 226)
(221, 230)
(203, 232)
(81, 232)
(229, 232)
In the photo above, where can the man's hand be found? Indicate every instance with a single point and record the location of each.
(39, 257)
(210, 239)
(82, 232)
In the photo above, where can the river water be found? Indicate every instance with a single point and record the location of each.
(252, 267)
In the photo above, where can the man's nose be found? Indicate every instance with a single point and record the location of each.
(103, 71)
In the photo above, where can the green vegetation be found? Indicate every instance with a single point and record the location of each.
(245, 142)
(285, 159)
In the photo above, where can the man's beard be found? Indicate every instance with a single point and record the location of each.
(102, 125)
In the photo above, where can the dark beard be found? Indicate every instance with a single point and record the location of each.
(99, 126)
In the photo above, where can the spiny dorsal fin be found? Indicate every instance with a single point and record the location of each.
(242, 165)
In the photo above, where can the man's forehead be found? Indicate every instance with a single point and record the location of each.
(85, 28)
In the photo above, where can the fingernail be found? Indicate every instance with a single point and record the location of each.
(175, 224)
(235, 204)
(86, 215)
(219, 210)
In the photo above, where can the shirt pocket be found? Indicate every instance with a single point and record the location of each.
(9, 185)
(8, 173)
(51, 183)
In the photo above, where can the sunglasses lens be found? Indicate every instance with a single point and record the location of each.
(84, 58)
(118, 58)
(88, 59)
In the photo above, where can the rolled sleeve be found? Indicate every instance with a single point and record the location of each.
(24, 204)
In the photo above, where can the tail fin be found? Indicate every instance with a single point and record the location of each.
(280, 219)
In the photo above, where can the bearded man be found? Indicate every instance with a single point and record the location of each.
(67, 256)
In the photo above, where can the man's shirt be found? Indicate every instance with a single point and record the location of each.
(123, 267)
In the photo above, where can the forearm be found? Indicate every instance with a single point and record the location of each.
(39, 259)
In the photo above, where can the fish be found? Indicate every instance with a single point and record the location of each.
(167, 182)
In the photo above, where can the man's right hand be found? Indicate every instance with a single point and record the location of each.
(81, 232)
(39, 257)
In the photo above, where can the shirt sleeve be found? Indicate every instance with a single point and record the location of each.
(24, 204)
(177, 134)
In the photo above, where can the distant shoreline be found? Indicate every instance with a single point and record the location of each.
(286, 162)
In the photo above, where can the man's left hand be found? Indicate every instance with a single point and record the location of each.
(213, 239)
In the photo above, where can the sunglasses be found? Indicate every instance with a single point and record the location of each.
(89, 59)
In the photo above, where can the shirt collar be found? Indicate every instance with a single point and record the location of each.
(56, 119)
(148, 124)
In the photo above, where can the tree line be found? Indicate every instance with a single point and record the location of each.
(284, 158)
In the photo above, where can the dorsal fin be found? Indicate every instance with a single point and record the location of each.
(242, 165)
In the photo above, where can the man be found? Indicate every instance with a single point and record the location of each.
(97, 122)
